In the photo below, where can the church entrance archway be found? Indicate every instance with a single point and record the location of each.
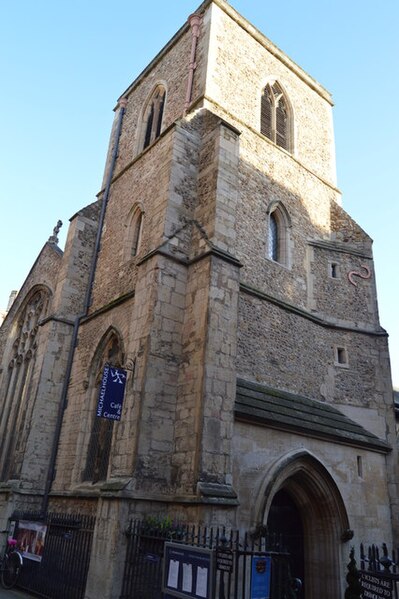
(302, 502)
(284, 519)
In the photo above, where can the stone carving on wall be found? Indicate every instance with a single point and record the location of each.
(355, 273)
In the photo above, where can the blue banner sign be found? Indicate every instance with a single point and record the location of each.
(260, 577)
(112, 390)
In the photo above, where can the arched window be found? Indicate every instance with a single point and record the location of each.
(275, 119)
(134, 232)
(152, 118)
(101, 433)
(278, 236)
(16, 410)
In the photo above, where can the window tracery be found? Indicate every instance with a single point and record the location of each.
(18, 385)
(275, 121)
(152, 118)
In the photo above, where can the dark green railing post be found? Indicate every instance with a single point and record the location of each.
(354, 589)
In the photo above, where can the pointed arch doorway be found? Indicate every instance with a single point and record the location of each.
(284, 519)
(302, 502)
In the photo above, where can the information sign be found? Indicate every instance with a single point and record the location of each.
(188, 571)
(224, 560)
(375, 585)
(260, 577)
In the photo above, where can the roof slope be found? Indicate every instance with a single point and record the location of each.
(286, 411)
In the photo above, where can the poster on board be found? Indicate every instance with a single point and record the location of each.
(30, 537)
(188, 571)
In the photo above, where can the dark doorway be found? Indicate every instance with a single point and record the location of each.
(285, 519)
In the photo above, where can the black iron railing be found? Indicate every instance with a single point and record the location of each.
(61, 572)
(234, 554)
(379, 574)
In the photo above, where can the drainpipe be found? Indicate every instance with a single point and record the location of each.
(64, 394)
(195, 22)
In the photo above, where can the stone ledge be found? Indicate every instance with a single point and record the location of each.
(95, 491)
(341, 247)
(16, 487)
(216, 493)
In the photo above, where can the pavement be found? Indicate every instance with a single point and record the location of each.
(14, 594)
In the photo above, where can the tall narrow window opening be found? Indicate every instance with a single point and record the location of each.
(136, 231)
(152, 119)
(341, 356)
(278, 234)
(359, 466)
(100, 443)
(273, 238)
(134, 226)
(275, 122)
(334, 271)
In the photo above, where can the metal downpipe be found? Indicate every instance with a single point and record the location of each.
(64, 394)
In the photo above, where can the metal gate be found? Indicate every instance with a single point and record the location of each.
(144, 560)
(62, 571)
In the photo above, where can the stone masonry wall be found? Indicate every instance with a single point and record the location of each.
(226, 162)
(239, 68)
(201, 303)
(143, 441)
(190, 382)
(145, 183)
(14, 416)
(156, 324)
(162, 357)
(219, 374)
(254, 458)
(43, 405)
(82, 400)
(170, 67)
(305, 281)
(346, 297)
(268, 175)
(65, 275)
(287, 351)
(146, 179)
(77, 261)
(182, 187)
(44, 273)
(72, 280)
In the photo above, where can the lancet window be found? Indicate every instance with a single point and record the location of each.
(152, 119)
(276, 121)
(99, 449)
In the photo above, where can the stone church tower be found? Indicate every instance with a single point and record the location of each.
(218, 268)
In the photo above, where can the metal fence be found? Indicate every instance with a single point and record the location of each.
(145, 550)
(379, 572)
(62, 570)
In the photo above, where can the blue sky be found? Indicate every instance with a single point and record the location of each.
(63, 65)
